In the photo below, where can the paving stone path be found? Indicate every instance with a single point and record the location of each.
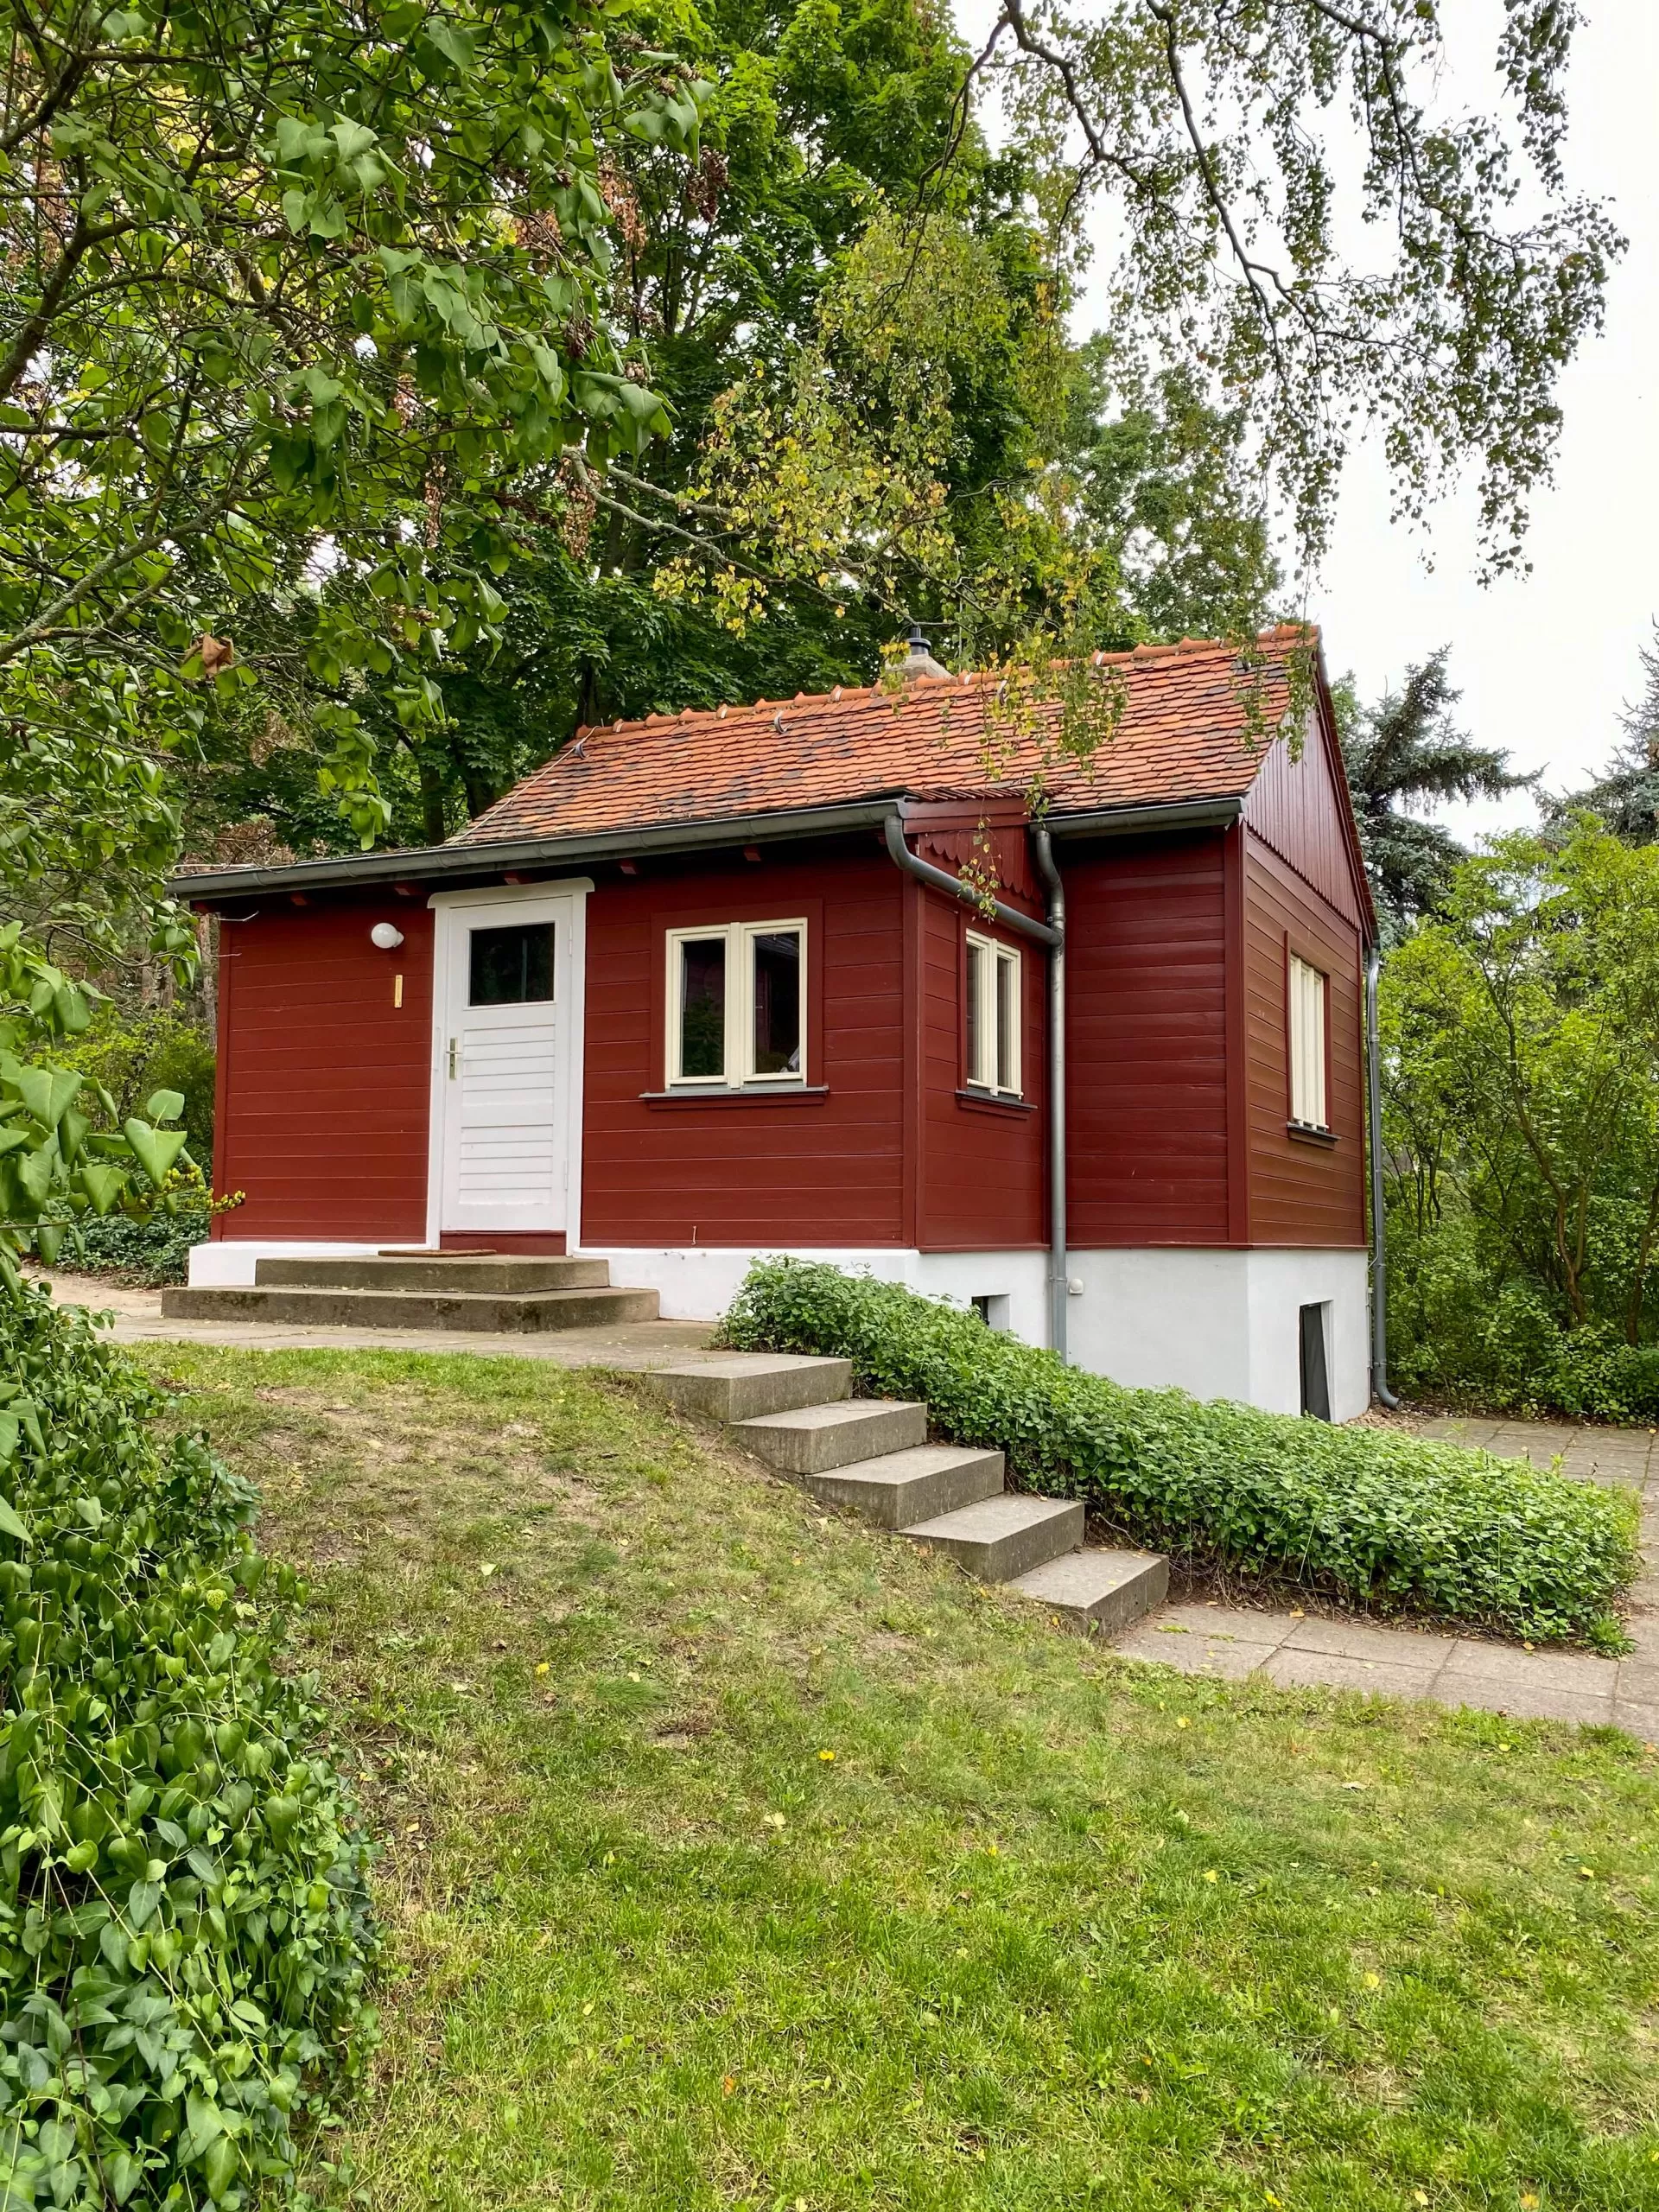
(1289, 1647)
(1294, 1648)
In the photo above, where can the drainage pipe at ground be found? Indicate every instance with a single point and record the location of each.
(1051, 933)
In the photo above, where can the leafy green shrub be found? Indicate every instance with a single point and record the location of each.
(132, 1055)
(184, 1920)
(1596, 1375)
(1364, 1514)
(1458, 1337)
(150, 1251)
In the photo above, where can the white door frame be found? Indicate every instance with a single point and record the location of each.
(450, 912)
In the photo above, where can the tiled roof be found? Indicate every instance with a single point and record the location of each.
(1195, 724)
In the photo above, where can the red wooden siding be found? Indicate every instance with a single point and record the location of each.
(1299, 808)
(1301, 1193)
(324, 1084)
(981, 1172)
(792, 1170)
(1147, 1044)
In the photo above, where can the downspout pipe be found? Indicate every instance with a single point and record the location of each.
(942, 879)
(1051, 933)
(1059, 1266)
(1380, 1389)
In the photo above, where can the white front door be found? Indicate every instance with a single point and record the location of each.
(506, 1044)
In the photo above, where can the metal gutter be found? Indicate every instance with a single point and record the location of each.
(1379, 1217)
(942, 879)
(470, 863)
(1137, 821)
(1059, 1265)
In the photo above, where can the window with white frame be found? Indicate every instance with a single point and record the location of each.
(1307, 997)
(737, 1005)
(993, 1016)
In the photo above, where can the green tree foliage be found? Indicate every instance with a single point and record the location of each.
(1405, 752)
(260, 325)
(810, 349)
(1521, 1041)
(1625, 796)
(1221, 135)
(184, 1926)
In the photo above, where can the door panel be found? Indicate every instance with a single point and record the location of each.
(504, 1082)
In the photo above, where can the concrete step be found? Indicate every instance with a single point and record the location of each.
(1002, 1537)
(814, 1439)
(501, 1274)
(750, 1385)
(1098, 1590)
(412, 1309)
(902, 1487)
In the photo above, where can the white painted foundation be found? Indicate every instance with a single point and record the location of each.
(229, 1263)
(698, 1283)
(1218, 1323)
(1224, 1325)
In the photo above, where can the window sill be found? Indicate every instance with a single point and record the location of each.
(754, 1094)
(1305, 1133)
(987, 1101)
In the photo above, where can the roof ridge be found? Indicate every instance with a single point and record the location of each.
(842, 694)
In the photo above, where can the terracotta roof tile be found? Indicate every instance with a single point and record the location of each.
(1188, 731)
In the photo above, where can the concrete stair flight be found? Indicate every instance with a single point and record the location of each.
(872, 1456)
(485, 1291)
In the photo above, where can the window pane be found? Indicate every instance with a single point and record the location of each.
(1306, 1044)
(976, 1013)
(702, 1007)
(778, 1003)
(511, 967)
(1008, 1022)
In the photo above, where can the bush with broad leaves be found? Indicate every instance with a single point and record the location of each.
(185, 1929)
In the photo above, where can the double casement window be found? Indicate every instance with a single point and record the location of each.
(992, 1039)
(1307, 997)
(737, 1005)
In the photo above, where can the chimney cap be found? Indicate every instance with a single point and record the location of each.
(919, 658)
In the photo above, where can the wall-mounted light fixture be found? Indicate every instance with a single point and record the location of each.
(386, 936)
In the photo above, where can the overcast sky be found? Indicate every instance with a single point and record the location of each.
(1546, 660)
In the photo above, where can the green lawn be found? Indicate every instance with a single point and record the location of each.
(737, 1857)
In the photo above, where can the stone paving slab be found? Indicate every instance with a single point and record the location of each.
(1232, 1644)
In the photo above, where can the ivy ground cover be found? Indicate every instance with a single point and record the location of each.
(736, 1857)
(1373, 1518)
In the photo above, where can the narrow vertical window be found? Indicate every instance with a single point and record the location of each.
(1007, 1021)
(979, 964)
(703, 1009)
(992, 1053)
(777, 995)
(1307, 997)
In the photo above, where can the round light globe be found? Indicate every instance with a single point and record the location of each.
(386, 936)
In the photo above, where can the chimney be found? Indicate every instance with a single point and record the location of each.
(919, 658)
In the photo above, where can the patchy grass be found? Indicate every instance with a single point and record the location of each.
(738, 1857)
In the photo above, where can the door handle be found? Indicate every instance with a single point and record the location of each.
(452, 1060)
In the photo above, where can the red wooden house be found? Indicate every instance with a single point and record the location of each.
(709, 985)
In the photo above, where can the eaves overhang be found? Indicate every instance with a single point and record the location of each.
(440, 867)
(456, 866)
